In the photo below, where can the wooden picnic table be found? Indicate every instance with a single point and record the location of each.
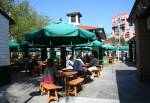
(69, 73)
(66, 75)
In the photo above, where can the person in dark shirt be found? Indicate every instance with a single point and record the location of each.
(78, 66)
(94, 63)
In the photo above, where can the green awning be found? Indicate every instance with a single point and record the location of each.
(60, 34)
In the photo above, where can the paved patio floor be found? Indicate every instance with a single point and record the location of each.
(117, 84)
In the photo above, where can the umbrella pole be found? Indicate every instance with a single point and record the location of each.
(63, 57)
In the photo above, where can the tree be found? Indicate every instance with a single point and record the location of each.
(6, 5)
(122, 41)
(115, 41)
(26, 19)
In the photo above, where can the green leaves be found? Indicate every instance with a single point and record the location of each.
(26, 19)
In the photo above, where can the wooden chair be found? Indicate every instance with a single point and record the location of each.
(49, 88)
(75, 84)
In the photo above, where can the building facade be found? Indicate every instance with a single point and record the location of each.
(121, 28)
(140, 16)
(5, 21)
(74, 19)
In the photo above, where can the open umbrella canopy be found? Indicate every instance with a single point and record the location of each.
(25, 44)
(94, 43)
(107, 46)
(13, 44)
(124, 48)
(83, 48)
(60, 34)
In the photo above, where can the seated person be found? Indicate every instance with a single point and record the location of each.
(94, 63)
(26, 62)
(69, 64)
(50, 72)
(36, 67)
(78, 66)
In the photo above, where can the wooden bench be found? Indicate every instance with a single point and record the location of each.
(49, 88)
(75, 83)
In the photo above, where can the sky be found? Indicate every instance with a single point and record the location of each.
(97, 13)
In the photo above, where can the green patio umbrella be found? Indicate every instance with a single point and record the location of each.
(94, 43)
(25, 44)
(108, 46)
(13, 44)
(60, 33)
(124, 48)
(83, 48)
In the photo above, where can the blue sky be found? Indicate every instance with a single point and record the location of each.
(94, 12)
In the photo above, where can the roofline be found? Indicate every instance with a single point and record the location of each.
(73, 13)
(103, 34)
(133, 10)
(11, 21)
(132, 39)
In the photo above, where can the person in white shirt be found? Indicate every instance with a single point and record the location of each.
(69, 63)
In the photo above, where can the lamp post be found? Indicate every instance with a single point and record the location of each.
(118, 47)
(118, 53)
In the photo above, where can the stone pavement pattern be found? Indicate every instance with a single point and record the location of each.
(117, 84)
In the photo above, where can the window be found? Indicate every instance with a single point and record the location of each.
(73, 19)
(122, 19)
(127, 35)
(122, 27)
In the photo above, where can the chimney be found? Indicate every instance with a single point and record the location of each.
(74, 18)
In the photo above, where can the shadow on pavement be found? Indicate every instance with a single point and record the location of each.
(131, 64)
(87, 80)
(32, 94)
(131, 90)
(18, 85)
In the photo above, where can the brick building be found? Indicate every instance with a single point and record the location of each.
(121, 28)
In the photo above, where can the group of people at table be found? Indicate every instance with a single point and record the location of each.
(75, 71)
(82, 68)
(50, 70)
(78, 68)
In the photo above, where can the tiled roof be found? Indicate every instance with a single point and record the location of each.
(86, 27)
(74, 13)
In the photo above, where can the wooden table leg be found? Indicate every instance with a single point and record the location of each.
(75, 90)
(56, 95)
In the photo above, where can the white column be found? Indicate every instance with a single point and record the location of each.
(48, 53)
(77, 20)
(69, 19)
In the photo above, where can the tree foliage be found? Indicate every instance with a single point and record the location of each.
(26, 19)
(115, 41)
(6, 5)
